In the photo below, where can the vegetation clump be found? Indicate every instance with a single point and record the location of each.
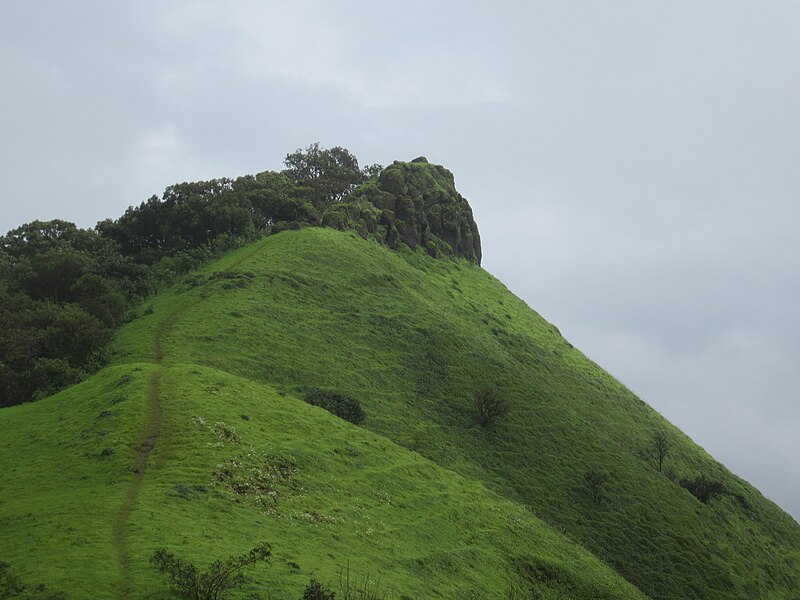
(657, 450)
(260, 479)
(325, 177)
(343, 406)
(315, 591)
(702, 488)
(596, 481)
(216, 581)
(489, 407)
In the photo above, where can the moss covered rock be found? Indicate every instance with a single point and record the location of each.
(420, 206)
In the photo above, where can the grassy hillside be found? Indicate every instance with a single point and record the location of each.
(207, 463)
(419, 493)
(350, 497)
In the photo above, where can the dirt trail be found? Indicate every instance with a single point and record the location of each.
(151, 434)
(153, 428)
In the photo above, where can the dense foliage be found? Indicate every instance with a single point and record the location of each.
(490, 406)
(702, 488)
(62, 292)
(315, 591)
(326, 176)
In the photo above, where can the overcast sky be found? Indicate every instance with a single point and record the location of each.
(632, 165)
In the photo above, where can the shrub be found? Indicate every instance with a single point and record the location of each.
(315, 591)
(215, 582)
(596, 480)
(489, 407)
(186, 492)
(702, 488)
(225, 432)
(343, 406)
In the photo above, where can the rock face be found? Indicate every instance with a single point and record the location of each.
(419, 206)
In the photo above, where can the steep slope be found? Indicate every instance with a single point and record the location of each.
(164, 449)
(415, 338)
(196, 439)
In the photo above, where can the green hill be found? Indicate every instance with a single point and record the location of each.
(196, 438)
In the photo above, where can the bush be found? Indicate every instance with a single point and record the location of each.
(215, 582)
(315, 591)
(702, 488)
(596, 480)
(343, 406)
(489, 407)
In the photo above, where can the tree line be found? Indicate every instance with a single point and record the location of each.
(64, 289)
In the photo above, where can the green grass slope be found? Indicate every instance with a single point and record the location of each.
(326, 493)
(208, 463)
(414, 338)
(196, 439)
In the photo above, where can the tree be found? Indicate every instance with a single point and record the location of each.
(99, 296)
(661, 447)
(53, 274)
(326, 176)
(43, 346)
(215, 582)
(38, 237)
(596, 480)
(275, 197)
(489, 407)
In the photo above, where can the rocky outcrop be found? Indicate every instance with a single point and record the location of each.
(420, 206)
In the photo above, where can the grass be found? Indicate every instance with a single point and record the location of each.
(420, 494)
(325, 493)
